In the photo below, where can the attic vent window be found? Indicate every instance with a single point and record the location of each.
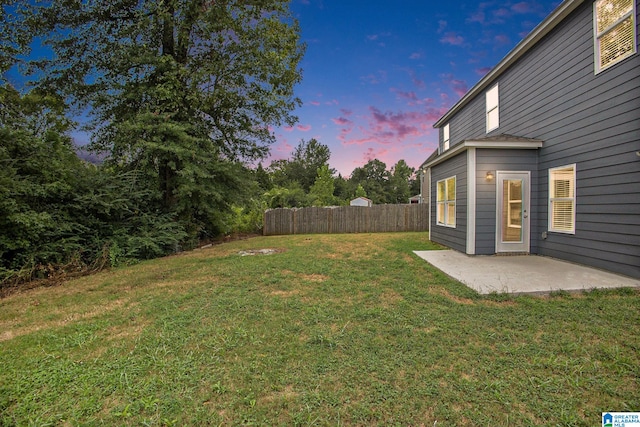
(614, 27)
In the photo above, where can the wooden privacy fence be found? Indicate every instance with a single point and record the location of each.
(347, 219)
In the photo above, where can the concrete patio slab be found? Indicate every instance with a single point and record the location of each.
(522, 274)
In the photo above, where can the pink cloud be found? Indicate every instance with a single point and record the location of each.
(522, 7)
(288, 128)
(416, 55)
(527, 26)
(372, 154)
(332, 102)
(441, 26)
(284, 146)
(477, 17)
(374, 37)
(501, 13)
(345, 124)
(393, 127)
(316, 103)
(389, 124)
(417, 81)
(525, 7)
(502, 39)
(458, 86)
(303, 128)
(409, 96)
(375, 78)
(369, 155)
(342, 121)
(452, 39)
(482, 71)
(359, 141)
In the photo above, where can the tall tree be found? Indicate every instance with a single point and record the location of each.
(342, 189)
(308, 157)
(263, 178)
(400, 180)
(57, 211)
(321, 193)
(37, 175)
(360, 191)
(374, 178)
(179, 88)
(302, 167)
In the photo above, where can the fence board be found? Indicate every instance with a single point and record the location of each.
(346, 219)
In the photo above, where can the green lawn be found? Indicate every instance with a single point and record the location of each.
(330, 330)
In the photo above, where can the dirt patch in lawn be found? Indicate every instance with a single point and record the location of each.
(61, 317)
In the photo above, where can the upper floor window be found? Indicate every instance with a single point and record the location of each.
(614, 27)
(493, 110)
(445, 137)
(562, 199)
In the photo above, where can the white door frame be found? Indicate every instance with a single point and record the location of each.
(522, 246)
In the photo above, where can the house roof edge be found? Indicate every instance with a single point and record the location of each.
(541, 30)
(503, 141)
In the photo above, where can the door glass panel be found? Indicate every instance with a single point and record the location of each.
(512, 210)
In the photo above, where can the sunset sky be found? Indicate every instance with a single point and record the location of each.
(378, 74)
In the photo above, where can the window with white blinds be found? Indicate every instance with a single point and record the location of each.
(615, 31)
(493, 108)
(562, 199)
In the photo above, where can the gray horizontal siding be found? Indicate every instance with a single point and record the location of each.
(625, 263)
(553, 94)
(454, 238)
(468, 124)
(500, 160)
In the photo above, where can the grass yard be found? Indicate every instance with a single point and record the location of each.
(330, 330)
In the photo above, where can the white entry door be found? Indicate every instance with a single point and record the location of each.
(512, 211)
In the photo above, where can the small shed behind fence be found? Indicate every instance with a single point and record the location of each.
(361, 201)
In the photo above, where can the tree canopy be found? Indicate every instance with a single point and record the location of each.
(302, 167)
(181, 89)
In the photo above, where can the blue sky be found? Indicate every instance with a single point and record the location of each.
(378, 74)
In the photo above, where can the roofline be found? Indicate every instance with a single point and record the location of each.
(534, 144)
(544, 28)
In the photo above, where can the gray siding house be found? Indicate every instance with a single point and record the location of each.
(542, 155)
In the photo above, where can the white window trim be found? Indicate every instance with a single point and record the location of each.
(493, 108)
(597, 37)
(445, 137)
(446, 202)
(572, 199)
